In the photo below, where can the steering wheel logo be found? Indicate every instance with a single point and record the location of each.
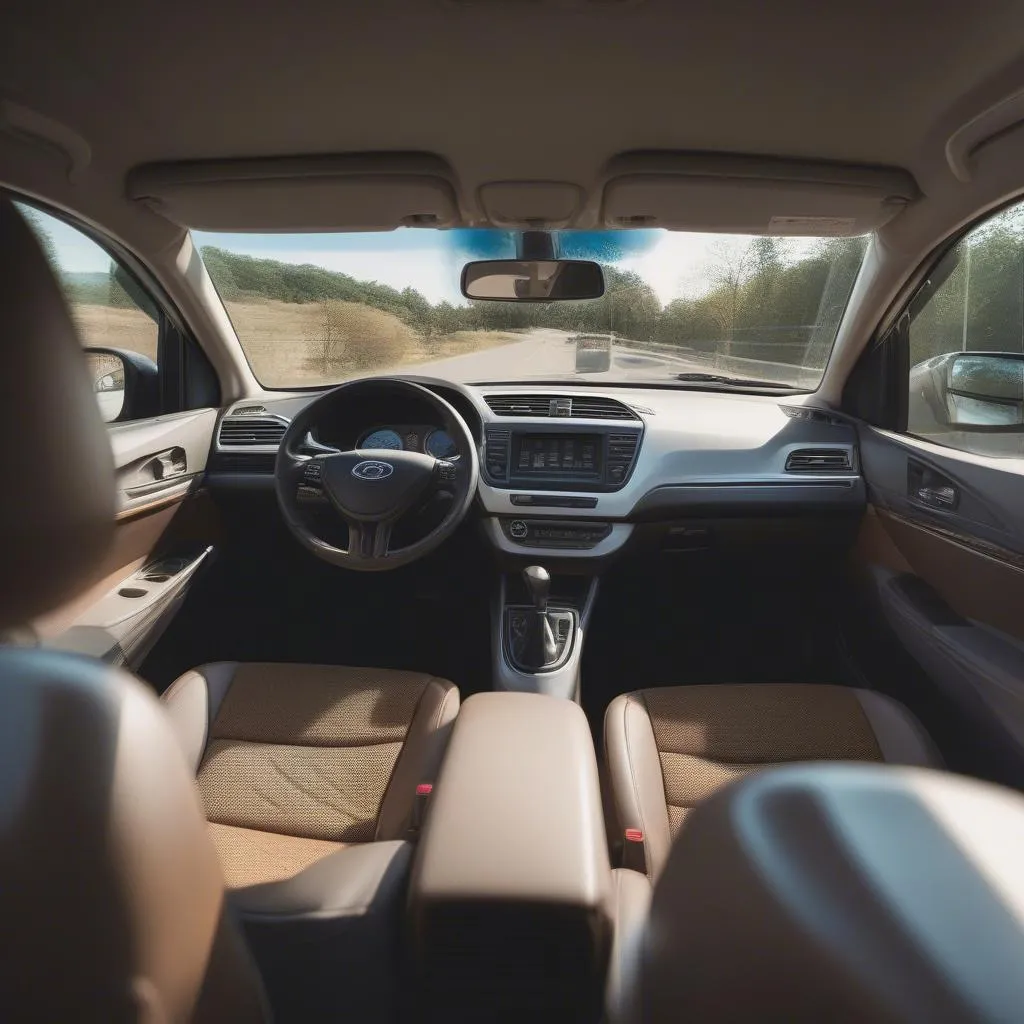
(372, 470)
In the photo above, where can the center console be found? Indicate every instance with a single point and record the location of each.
(513, 903)
(538, 624)
(560, 457)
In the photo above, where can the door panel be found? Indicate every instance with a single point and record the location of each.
(159, 461)
(165, 533)
(948, 574)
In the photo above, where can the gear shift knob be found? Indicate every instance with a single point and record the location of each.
(538, 582)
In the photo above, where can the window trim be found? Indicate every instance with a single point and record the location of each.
(173, 334)
(895, 331)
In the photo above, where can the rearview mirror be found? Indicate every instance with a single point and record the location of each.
(985, 390)
(532, 280)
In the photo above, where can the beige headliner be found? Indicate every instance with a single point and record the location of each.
(503, 90)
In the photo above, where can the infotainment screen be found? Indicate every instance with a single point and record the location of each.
(577, 455)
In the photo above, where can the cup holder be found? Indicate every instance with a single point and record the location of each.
(132, 592)
(157, 577)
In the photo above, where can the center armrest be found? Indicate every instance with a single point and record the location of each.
(511, 889)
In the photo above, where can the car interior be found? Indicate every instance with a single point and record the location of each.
(514, 510)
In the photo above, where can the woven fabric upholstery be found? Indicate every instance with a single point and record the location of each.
(316, 705)
(708, 736)
(249, 857)
(316, 792)
(307, 750)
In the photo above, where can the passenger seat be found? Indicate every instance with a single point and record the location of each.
(668, 748)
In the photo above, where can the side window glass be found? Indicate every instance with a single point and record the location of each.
(967, 344)
(116, 320)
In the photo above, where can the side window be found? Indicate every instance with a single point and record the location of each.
(118, 323)
(966, 339)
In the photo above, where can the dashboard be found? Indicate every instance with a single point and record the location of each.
(578, 468)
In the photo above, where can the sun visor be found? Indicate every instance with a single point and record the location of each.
(751, 195)
(344, 193)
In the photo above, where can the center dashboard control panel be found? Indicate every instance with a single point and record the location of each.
(555, 533)
(566, 459)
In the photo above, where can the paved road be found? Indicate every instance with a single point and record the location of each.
(548, 353)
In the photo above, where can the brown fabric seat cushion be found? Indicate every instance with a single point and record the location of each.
(289, 756)
(669, 748)
(708, 736)
(250, 857)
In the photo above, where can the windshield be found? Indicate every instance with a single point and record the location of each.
(316, 309)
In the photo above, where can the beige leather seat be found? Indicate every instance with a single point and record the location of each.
(111, 894)
(669, 748)
(308, 777)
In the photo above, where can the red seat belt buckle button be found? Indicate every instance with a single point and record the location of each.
(634, 854)
(419, 805)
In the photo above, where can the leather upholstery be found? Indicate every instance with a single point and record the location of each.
(308, 775)
(670, 748)
(53, 538)
(846, 893)
(112, 893)
(112, 898)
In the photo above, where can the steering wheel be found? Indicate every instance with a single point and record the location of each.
(372, 490)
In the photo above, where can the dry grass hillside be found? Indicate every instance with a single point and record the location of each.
(299, 343)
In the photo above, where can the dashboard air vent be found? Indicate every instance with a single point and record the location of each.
(818, 460)
(249, 410)
(250, 432)
(600, 409)
(560, 406)
(520, 405)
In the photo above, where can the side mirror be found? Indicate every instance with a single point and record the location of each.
(532, 280)
(126, 384)
(985, 391)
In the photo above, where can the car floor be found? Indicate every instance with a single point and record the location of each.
(287, 606)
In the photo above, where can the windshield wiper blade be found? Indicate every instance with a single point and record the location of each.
(733, 382)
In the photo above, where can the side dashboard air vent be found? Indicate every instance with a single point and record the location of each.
(819, 460)
(560, 406)
(249, 410)
(249, 432)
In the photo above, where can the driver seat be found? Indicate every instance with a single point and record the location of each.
(308, 777)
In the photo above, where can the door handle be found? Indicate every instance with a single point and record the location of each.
(927, 487)
(167, 465)
(943, 496)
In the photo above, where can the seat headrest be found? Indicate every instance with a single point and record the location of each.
(843, 892)
(57, 515)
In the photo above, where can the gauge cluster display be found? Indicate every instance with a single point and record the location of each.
(432, 440)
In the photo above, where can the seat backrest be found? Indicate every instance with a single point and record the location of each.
(111, 896)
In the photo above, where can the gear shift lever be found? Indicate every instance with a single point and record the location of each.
(539, 647)
(538, 582)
